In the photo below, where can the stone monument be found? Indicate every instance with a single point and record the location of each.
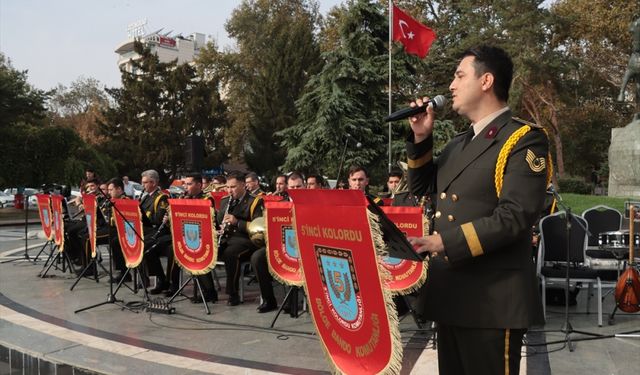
(624, 151)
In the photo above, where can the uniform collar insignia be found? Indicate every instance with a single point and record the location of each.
(491, 133)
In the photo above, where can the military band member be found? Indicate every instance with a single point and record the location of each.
(116, 189)
(359, 180)
(490, 187)
(157, 241)
(237, 210)
(315, 181)
(252, 184)
(76, 230)
(194, 190)
(259, 259)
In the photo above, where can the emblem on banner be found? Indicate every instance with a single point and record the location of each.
(392, 262)
(130, 233)
(290, 242)
(56, 220)
(88, 217)
(192, 235)
(45, 215)
(340, 284)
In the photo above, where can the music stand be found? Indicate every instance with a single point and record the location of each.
(111, 297)
(292, 298)
(566, 327)
(26, 224)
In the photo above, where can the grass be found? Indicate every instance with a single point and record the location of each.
(580, 203)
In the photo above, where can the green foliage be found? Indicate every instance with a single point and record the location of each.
(574, 185)
(156, 109)
(344, 103)
(581, 202)
(276, 54)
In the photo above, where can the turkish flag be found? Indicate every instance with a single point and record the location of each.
(416, 37)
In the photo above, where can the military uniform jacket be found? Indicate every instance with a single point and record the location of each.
(154, 207)
(248, 208)
(486, 277)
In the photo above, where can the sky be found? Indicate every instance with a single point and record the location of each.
(60, 41)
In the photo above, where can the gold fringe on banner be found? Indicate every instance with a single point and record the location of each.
(395, 363)
(266, 241)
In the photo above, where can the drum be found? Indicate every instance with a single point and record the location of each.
(617, 241)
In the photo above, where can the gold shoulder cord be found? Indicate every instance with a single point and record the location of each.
(503, 156)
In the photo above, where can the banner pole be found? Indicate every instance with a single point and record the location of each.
(390, 45)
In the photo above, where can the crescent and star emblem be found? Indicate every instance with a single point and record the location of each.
(409, 35)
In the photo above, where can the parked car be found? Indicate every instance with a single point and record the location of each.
(6, 200)
(137, 189)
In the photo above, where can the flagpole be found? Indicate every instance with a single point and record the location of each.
(390, 45)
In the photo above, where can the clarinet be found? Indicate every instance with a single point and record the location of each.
(224, 227)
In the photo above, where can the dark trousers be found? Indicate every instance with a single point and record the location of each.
(116, 252)
(73, 242)
(154, 249)
(236, 250)
(480, 351)
(261, 268)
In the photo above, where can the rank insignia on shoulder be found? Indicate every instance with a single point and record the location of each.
(536, 164)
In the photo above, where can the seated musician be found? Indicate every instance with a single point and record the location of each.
(237, 210)
(157, 241)
(259, 259)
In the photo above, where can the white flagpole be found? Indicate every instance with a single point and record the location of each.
(390, 45)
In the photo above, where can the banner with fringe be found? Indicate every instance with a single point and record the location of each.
(406, 275)
(44, 210)
(282, 246)
(194, 239)
(90, 211)
(58, 222)
(128, 219)
(353, 313)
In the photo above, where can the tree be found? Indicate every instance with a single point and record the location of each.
(345, 102)
(157, 107)
(276, 54)
(80, 107)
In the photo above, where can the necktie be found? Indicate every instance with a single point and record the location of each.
(468, 137)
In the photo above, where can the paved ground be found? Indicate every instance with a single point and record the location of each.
(38, 327)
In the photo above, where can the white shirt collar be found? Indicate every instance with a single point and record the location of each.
(480, 125)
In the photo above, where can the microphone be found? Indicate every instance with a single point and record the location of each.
(437, 103)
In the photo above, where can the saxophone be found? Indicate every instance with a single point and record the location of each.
(224, 226)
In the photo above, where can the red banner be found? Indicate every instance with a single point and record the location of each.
(128, 220)
(352, 312)
(194, 240)
(44, 210)
(217, 197)
(58, 221)
(282, 244)
(406, 275)
(271, 198)
(90, 211)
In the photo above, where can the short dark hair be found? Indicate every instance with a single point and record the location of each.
(281, 175)
(117, 182)
(395, 172)
(196, 176)
(318, 178)
(220, 178)
(494, 60)
(93, 181)
(237, 175)
(252, 176)
(206, 178)
(356, 168)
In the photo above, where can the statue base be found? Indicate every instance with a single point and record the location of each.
(624, 161)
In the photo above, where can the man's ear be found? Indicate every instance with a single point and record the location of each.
(487, 81)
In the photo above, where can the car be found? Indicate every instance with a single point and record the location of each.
(137, 189)
(6, 200)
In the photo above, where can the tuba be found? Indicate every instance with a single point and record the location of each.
(256, 229)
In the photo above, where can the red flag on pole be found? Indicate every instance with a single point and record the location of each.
(416, 37)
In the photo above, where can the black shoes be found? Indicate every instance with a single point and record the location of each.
(209, 297)
(233, 301)
(161, 287)
(266, 307)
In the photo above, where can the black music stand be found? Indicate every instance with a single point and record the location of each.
(111, 297)
(566, 327)
(292, 299)
(196, 282)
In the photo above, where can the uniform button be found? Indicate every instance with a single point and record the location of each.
(443, 195)
(435, 232)
(438, 214)
(451, 218)
(454, 197)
